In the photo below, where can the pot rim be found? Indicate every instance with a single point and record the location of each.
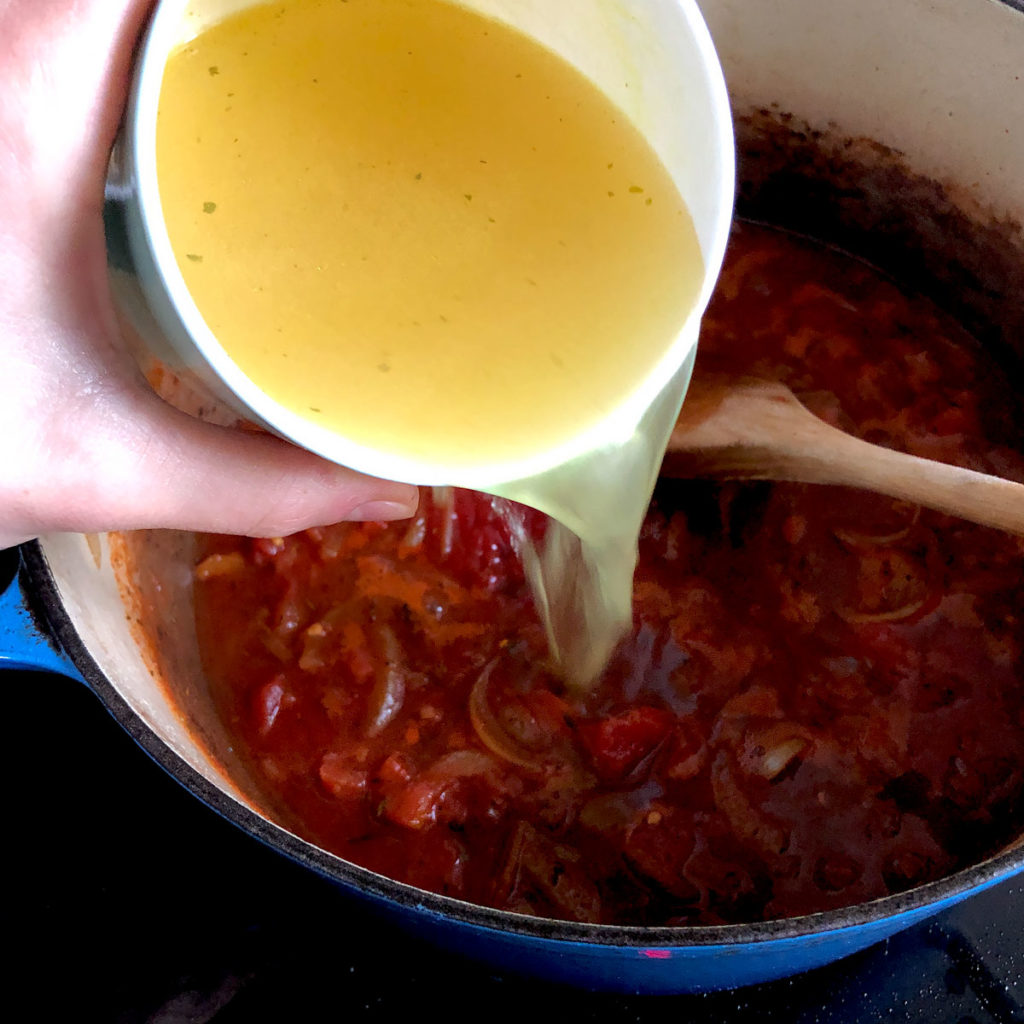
(45, 594)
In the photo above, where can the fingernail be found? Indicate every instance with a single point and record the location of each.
(381, 511)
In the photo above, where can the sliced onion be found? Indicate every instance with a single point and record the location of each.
(275, 644)
(887, 530)
(777, 758)
(612, 811)
(747, 822)
(460, 764)
(388, 696)
(904, 611)
(444, 499)
(893, 586)
(491, 733)
(767, 750)
(389, 687)
(531, 729)
(414, 536)
(864, 539)
(868, 538)
(228, 564)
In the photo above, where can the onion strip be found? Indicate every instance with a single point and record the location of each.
(904, 611)
(490, 731)
(389, 688)
(863, 538)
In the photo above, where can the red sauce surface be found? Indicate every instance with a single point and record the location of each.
(820, 703)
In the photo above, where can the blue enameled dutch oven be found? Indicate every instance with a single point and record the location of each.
(895, 129)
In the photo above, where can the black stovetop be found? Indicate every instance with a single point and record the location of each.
(132, 902)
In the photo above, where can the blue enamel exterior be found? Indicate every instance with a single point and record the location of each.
(657, 970)
(662, 970)
(24, 644)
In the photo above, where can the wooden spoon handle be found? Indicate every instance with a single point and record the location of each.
(978, 497)
(758, 430)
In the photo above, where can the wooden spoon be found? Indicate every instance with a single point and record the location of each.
(746, 429)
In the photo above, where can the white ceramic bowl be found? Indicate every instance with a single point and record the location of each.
(653, 58)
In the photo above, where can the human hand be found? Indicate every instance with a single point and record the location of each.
(85, 444)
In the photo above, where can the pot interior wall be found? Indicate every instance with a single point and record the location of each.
(937, 81)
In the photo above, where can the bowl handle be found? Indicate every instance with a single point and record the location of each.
(25, 640)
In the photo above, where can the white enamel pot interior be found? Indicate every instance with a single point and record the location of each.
(920, 109)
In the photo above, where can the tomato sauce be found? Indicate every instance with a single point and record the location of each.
(820, 702)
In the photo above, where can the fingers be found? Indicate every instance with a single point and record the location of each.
(225, 480)
(65, 75)
(130, 461)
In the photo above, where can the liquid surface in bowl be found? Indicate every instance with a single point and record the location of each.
(419, 228)
(820, 702)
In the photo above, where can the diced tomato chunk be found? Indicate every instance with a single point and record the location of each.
(952, 420)
(414, 806)
(395, 769)
(341, 778)
(618, 744)
(269, 701)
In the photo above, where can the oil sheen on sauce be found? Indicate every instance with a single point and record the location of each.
(426, 232)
